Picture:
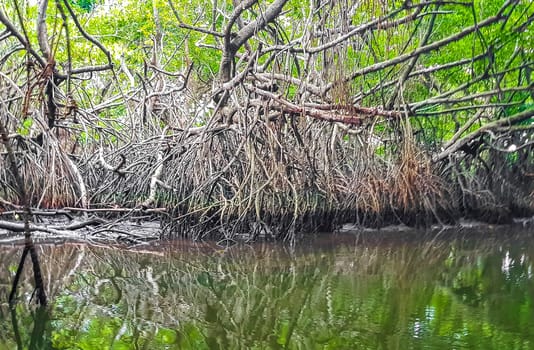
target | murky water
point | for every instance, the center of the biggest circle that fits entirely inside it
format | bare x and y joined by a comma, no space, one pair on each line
470,290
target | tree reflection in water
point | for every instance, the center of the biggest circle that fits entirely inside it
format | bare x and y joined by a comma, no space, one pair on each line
38,338
368,293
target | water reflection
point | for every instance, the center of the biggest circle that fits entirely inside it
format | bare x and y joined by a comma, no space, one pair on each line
38,338
474,291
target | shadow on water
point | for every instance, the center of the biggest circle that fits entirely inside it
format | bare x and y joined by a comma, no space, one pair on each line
387,290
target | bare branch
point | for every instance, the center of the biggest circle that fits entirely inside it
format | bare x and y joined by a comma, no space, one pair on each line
42,34
9,26
87,36
508,121
427,48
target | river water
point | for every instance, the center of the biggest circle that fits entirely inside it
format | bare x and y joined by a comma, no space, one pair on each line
470,289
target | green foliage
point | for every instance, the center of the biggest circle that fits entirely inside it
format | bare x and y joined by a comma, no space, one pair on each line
85,5
24,129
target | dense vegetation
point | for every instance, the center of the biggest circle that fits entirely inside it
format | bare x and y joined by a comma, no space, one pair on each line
269,117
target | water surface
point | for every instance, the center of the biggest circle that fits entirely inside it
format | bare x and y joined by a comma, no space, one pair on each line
376,290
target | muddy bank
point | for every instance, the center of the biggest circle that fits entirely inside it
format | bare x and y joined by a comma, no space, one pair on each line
152,233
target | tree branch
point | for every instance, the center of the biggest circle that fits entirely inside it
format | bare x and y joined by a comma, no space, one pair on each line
424,49
11,28
509,121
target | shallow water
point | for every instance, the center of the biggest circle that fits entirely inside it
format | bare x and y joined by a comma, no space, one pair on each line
377,290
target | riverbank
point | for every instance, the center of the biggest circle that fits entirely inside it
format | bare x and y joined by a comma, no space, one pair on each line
239,186
49,228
